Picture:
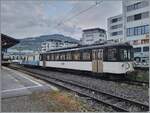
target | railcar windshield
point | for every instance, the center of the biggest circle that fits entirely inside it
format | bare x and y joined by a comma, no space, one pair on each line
118,53
126,54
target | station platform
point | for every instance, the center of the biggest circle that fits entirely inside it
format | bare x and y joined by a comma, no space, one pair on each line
15,83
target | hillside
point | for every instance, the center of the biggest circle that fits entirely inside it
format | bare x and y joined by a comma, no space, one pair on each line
33,43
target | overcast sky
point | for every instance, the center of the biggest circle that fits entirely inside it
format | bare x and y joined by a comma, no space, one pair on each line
29,18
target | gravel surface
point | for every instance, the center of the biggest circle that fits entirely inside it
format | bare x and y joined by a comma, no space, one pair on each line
52,102
134,92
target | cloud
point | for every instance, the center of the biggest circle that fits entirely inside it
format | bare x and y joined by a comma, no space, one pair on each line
98,15
33,18
24,17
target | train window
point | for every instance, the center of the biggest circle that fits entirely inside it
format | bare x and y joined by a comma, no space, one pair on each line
48,57
68,56
13,58
86,56
52,57
44,57
57,57
112,54
17,58
76,55
40,57
100,54
94,55
62,56
33,58
24,58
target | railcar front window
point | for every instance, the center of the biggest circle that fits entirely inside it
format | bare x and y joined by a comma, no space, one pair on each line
125,54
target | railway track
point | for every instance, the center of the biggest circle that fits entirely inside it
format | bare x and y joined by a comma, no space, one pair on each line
134,82
116,102
113,79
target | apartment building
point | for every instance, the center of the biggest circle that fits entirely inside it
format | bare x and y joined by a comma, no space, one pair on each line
115,28
135,27
136,16
93,35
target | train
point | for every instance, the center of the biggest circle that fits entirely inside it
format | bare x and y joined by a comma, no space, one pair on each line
5,60
100,59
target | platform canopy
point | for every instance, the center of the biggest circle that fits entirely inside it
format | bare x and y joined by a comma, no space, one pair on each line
7,41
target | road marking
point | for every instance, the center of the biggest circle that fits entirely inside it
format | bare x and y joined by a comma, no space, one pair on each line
18,73
52,87
29,79
23,88
23,75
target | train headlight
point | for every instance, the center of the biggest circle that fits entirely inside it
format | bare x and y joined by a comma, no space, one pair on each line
122,65
127,65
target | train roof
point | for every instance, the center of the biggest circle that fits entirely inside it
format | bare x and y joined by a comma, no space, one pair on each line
31,54
88,47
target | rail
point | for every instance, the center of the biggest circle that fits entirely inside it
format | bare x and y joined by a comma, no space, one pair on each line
116,102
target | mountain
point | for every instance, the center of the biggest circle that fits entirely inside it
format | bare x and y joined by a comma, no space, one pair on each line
34,43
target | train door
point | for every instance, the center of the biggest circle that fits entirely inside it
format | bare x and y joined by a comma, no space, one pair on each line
100,60
97,60
44,60
94,61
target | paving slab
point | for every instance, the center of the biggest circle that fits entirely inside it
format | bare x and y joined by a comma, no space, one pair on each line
16,83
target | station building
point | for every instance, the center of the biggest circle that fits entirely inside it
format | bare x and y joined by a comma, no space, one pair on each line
135,22
6,42
93,35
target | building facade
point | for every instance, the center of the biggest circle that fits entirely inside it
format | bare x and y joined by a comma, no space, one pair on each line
115,28
136,16
91,36
135,28
54,44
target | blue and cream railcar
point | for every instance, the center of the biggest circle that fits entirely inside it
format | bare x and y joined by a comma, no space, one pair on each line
31,59
109,58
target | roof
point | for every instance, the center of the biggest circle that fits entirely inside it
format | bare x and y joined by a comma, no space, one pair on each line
8,41
56,40
89,47
116,16
93,29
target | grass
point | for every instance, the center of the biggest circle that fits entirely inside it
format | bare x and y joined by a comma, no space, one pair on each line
140,75
57,101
